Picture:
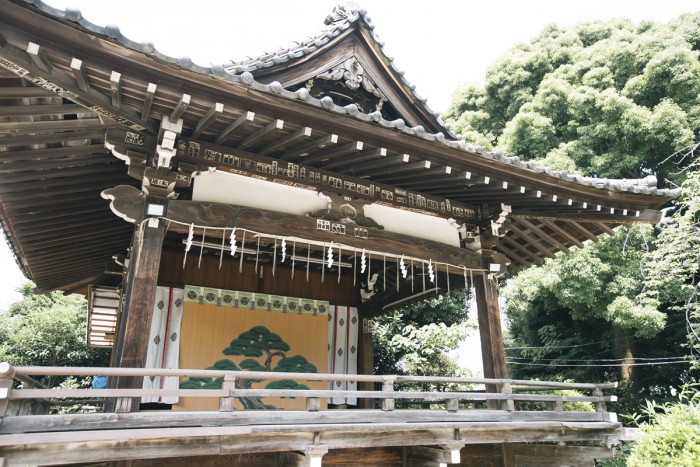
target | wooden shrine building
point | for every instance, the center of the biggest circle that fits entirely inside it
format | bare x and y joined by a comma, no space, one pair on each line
268,209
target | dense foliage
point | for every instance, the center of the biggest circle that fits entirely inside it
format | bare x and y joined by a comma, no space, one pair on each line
611,99
671,437
617,100
47,330
416,340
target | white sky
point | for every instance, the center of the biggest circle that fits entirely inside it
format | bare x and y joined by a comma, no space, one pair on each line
439,44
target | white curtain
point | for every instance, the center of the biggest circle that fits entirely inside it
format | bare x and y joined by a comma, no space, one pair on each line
343,325
164,341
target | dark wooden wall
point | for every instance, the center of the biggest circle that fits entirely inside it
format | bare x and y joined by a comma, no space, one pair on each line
172,274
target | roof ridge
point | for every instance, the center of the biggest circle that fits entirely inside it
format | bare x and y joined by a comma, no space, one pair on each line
247,79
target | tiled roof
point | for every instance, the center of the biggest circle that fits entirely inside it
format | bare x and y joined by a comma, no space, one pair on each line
341,19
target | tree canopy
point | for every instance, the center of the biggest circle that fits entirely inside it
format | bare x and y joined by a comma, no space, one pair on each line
616,100
610,99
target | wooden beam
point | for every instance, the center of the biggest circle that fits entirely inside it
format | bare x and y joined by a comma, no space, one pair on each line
541,233
229,130
80,75
522,249
353,159
333,152
148,101
56,125
39,57
180,108
587,233
33,154
261,133
604,227
303,150
301,133
379,163
57,82
22,92
36,110
8,141
512,255
115,89
553,226
493,353
419,166
532,241
460,177
211,116
138,306
435,173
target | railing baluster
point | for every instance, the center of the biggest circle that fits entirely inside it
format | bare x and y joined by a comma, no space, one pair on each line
313,404
388,386
600,406
452,405
229,383
507,403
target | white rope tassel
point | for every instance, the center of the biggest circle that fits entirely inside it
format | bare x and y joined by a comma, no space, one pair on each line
363,262
402,265
431,271
340,257
329,255
232,240
188,244
284,249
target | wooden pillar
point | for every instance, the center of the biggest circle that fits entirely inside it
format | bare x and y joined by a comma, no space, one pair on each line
365,363
492,350
138,308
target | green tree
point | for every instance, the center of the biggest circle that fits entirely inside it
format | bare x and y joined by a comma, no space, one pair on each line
258,342
48,330
610,98
416,339
671,437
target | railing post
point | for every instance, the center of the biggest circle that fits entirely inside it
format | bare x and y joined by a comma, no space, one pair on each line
600,406
229,383
388,386
507,404
7,376
313,404
452,405
555,406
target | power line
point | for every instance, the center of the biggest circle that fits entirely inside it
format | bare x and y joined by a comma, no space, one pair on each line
595,365
594,360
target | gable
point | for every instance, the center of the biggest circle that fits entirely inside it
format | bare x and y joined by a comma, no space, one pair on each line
347,64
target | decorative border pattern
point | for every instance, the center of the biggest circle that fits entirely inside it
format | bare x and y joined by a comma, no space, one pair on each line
255,301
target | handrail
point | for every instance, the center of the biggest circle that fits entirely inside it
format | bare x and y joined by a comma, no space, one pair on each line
109,371
504,399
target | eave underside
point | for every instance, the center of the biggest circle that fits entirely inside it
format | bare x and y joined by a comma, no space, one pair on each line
54,165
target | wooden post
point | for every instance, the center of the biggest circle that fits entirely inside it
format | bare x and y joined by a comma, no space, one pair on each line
7,375
138,309
388,386
507,404
452,405
226,403
313,404
600,406
493,353
365,364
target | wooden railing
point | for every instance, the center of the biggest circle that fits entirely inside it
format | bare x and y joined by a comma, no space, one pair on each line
509,392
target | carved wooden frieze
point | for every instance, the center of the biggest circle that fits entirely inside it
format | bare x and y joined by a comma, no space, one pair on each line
260,167
128,203
345,208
